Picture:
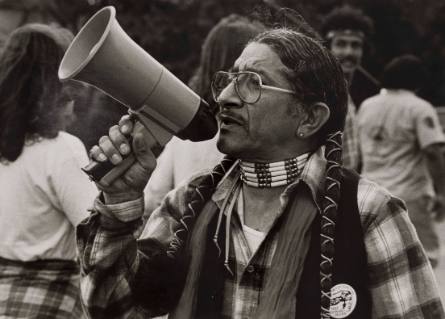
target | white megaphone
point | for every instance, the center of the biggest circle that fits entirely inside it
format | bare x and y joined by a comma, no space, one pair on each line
103,55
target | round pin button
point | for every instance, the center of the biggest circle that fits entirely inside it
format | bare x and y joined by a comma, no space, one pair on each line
343,301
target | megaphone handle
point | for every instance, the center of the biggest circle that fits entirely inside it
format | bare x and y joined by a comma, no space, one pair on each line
106,172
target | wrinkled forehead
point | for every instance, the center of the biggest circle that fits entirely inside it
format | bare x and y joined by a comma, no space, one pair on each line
259,57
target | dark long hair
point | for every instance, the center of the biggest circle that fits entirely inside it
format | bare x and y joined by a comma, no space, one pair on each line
317,76
30,91
222,46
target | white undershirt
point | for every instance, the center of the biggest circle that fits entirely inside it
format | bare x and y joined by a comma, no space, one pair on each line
254,237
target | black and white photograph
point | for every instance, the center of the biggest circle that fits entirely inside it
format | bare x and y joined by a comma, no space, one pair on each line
222,159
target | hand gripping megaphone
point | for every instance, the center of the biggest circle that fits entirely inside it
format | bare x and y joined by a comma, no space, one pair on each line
104,56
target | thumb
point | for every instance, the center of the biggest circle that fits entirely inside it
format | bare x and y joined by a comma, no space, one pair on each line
142,144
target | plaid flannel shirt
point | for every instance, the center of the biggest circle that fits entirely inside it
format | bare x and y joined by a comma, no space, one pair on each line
242,290
351,149
402,284
39,289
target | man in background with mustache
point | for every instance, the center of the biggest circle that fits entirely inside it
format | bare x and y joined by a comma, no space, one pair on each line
346,29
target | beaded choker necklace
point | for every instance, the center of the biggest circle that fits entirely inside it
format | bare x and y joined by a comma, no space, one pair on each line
267,175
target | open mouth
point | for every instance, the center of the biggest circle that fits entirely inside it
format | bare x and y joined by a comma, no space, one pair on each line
348,63
226,120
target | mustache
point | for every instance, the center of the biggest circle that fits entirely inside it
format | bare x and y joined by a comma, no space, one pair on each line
349,58
228,116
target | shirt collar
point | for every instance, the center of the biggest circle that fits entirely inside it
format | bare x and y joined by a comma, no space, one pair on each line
313,175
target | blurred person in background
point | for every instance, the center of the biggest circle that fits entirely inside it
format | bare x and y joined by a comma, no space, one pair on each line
43,192
401,140
182,159
346,30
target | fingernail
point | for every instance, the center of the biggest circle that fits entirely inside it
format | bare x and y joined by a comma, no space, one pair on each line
124,128
115,159
101,157
124,149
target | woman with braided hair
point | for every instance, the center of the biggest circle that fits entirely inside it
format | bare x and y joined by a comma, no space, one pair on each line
278,230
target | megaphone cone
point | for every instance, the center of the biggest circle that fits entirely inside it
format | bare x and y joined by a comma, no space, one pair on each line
104,56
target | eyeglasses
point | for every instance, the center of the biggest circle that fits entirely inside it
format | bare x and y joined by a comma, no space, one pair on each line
248,85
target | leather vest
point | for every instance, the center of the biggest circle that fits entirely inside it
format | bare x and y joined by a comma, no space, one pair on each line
160,293
350,264
350,260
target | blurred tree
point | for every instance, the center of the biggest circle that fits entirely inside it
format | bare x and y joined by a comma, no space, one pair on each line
172,31
434,55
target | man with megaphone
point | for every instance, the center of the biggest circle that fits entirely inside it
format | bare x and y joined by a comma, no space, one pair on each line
279,229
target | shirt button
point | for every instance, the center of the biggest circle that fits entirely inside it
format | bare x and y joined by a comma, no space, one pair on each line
250,269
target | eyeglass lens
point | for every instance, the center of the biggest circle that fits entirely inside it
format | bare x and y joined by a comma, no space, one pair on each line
247,85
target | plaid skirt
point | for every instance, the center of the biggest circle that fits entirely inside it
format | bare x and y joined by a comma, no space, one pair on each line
39,289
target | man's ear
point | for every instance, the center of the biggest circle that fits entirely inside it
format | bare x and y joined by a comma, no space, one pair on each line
313,119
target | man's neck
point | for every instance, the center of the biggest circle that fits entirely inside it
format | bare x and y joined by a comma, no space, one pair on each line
348,77
261,206
261,194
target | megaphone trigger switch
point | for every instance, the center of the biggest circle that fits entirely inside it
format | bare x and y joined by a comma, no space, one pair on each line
96,170
157,149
